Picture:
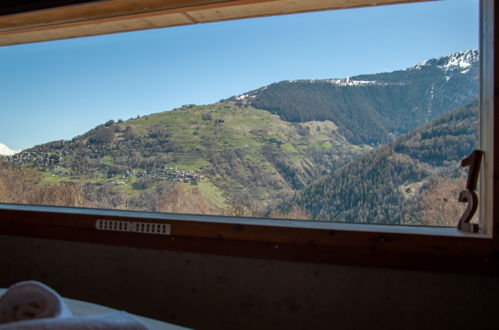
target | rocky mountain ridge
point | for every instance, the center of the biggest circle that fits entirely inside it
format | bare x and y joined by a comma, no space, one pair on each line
373,109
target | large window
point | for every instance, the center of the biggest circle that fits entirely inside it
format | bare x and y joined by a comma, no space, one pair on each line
345,116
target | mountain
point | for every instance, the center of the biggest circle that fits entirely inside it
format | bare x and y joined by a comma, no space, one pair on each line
224,154
262,152
6,151
399,183
372,109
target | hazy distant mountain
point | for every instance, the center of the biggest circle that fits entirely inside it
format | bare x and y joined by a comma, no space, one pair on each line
6,151
372,109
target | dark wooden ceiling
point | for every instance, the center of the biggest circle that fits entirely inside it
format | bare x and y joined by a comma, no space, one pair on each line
8,7
28,21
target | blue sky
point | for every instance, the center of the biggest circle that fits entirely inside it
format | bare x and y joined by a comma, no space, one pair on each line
60,89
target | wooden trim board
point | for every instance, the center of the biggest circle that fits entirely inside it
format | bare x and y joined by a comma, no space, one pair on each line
112,16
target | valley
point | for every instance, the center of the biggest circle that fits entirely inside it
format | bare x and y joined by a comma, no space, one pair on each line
360,149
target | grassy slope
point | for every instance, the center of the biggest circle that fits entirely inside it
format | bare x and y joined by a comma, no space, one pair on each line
244,129
243,153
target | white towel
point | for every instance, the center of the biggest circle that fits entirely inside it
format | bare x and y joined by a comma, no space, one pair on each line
31,300
110,321
32,305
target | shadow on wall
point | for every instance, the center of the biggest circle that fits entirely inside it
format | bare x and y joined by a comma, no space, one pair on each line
215,292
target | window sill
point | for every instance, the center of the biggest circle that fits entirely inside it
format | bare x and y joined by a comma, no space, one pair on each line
407,247
243,221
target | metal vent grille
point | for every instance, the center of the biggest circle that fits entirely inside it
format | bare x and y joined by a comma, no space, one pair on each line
134,227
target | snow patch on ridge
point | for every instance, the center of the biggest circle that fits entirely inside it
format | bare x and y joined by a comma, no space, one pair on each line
346,82
242,97
349,82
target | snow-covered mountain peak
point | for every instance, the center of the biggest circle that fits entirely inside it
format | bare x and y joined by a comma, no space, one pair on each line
461,61
6,151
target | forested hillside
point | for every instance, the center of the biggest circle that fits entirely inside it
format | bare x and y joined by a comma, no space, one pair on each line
402,182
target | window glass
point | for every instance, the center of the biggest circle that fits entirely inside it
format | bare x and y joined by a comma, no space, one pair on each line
358,115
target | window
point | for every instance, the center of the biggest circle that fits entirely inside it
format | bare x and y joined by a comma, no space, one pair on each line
273,144
378,141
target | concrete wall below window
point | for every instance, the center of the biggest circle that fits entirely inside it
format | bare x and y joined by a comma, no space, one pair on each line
215,292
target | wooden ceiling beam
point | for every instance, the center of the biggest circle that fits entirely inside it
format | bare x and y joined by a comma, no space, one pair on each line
112,16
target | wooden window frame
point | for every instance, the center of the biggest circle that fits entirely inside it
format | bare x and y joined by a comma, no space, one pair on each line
428,248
